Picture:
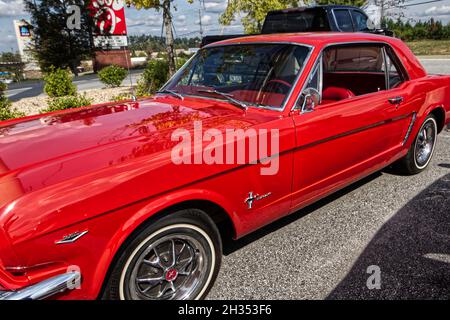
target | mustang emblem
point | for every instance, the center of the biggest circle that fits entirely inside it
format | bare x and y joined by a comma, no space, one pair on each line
254,197
71,237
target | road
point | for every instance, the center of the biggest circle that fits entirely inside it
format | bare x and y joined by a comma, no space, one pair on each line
399,224
30,89
436,64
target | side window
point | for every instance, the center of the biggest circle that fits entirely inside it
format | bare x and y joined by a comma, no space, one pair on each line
349,58
360,21
353,70
343,20
394,74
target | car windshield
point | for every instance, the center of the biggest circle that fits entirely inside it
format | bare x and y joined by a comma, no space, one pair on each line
308,20
254,74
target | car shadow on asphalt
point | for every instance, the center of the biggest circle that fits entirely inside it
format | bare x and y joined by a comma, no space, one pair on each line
231,246
411,250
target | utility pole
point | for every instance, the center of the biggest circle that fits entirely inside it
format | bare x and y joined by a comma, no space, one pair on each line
200,22
167,23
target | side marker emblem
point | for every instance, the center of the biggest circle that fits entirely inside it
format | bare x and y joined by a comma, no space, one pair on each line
70,238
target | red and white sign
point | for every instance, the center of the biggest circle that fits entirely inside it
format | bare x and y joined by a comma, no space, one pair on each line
109,17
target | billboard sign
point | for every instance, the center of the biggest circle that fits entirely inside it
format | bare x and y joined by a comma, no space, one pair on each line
110,42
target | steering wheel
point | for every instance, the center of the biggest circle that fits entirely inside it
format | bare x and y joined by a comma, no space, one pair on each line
278,86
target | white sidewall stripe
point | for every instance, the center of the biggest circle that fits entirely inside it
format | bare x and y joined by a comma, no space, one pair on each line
175,226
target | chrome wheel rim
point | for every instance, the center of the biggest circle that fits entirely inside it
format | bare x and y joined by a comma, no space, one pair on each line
425,141
173,267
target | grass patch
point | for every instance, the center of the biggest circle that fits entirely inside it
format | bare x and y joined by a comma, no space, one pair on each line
430,47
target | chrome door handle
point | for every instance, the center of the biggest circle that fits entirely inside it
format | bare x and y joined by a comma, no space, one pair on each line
395,100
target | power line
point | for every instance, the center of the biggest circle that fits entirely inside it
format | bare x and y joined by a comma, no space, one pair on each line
418,4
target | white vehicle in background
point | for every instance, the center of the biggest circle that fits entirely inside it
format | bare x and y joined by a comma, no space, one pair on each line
6,77
6,81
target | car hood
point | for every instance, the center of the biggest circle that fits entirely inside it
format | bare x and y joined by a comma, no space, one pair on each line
44,158
41,139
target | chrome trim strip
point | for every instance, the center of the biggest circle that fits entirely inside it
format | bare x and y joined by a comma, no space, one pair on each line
350,43
386,70
411,124
294,85
354,131
44,289
368,42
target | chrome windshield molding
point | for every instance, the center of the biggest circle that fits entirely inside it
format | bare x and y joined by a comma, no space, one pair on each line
294,85
180,71
44,289
319,66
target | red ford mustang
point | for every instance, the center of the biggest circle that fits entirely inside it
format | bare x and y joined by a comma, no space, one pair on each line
118,202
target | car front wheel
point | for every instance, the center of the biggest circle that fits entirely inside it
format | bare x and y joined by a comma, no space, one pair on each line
175,258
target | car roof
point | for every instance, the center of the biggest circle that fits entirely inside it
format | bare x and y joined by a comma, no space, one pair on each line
316,39
319,40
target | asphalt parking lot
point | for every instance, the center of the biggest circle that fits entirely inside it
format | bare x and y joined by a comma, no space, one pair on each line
400,224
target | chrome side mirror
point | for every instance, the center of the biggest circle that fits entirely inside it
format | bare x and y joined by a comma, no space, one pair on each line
311,99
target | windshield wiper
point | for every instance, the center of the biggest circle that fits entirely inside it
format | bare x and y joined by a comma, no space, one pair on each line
229,97
174,93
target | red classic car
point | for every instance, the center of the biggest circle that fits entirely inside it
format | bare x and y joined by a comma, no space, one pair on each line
117,202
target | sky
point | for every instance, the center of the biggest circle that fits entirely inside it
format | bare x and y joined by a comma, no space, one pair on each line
186,18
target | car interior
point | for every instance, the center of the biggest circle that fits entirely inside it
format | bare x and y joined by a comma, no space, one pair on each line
350,71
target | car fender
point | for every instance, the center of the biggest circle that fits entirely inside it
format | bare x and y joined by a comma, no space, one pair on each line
146,212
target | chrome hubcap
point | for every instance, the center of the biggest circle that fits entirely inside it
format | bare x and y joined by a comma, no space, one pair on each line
425,143
172,267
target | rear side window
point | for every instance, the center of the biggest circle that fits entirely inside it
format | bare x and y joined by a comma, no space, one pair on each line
360,21
343,20
359,69
296,21
394,72
359,59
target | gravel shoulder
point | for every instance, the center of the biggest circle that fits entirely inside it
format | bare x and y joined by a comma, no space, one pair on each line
34,105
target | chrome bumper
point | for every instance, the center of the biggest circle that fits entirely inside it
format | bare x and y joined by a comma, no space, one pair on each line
44,289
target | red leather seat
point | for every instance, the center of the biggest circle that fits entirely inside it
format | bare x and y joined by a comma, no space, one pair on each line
335,94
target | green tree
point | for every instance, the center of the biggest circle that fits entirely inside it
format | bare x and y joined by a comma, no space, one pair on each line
255,11
154,76
166,7
16,66
55,43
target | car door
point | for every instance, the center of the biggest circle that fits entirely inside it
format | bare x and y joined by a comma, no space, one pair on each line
340,141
